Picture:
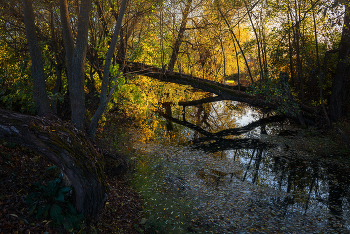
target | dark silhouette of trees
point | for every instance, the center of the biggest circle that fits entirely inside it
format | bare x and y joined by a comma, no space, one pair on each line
339,102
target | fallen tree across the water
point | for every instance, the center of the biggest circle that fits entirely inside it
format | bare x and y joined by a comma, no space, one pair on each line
226,92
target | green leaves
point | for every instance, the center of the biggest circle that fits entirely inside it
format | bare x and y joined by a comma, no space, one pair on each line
121,80
56,214
114,69
43,210
50,200
274,92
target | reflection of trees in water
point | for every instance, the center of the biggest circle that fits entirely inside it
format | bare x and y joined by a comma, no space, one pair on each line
335,198
212,115
309,185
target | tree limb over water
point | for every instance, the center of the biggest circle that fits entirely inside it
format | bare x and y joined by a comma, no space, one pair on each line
226,92
198,102
226,132
186,124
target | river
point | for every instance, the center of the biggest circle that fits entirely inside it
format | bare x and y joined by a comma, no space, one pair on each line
223,167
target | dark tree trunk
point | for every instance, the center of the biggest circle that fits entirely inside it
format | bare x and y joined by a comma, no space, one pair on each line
299,62
67,148
237,62
76,89
39,87
258,42
291,67
58,64
104,99
67,37
236,40
339,97
180,36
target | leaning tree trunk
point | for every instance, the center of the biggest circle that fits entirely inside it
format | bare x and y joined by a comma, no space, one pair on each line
66,147
105,81
339,102
180,36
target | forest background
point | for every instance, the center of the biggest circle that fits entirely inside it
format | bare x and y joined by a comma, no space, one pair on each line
67,59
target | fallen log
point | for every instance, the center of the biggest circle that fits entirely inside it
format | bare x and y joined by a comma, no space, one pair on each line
66,147
224,91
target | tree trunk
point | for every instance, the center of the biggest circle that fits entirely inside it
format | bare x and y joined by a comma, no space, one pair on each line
39,87
291,67
103,96
237,61
180,36
321,78
297,35
67,38
58,65
76,89
236,40
316,42
223,55
339,97
67,148
257,41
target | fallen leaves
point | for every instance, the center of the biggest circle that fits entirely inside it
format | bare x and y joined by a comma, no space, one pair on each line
20,168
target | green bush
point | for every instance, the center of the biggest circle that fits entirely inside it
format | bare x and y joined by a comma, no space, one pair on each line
272,88
50,201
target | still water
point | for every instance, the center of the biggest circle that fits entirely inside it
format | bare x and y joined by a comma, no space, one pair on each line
222,167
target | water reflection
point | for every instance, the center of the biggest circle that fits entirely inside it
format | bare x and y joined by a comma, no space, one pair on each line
312,186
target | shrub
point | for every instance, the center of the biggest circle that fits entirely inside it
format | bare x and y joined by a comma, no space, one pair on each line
50,201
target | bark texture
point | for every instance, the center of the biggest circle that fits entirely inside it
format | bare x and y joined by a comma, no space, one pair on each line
67,37
76,88
66,147
39,87
340,97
